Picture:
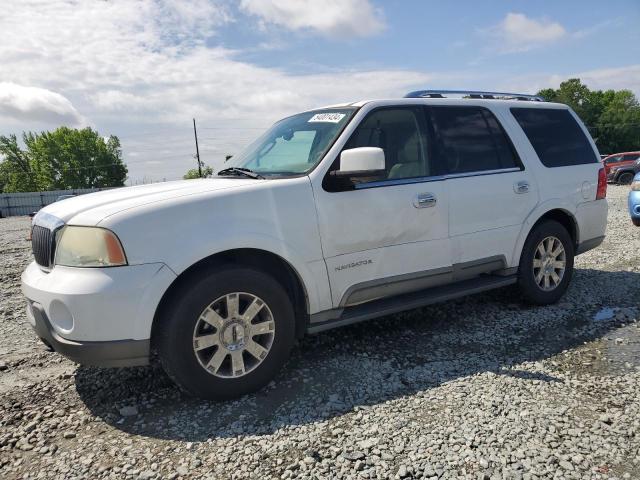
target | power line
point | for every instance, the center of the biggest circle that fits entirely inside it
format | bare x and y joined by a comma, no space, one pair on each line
151,133
161,157
88,167
233,128
227,141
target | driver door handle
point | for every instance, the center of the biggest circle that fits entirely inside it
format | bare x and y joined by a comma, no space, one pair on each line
425,200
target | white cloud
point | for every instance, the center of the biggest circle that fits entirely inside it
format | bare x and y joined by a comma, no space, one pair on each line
142,69
611,78
24,103
332,18
627,77
519,33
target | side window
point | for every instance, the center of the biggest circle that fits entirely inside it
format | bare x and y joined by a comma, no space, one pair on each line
470,139
400,133
631,157
555,136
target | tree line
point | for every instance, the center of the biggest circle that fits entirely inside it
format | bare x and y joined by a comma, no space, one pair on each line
68,158
612,116
63,159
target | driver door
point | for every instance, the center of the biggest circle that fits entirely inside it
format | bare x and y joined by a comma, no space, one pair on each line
386,236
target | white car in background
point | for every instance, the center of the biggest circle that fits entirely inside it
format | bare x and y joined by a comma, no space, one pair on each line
333,216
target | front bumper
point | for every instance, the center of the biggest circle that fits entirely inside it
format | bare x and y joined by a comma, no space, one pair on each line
116,353
96,316
634,203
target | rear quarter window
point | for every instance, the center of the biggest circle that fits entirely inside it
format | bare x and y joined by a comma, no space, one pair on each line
555,136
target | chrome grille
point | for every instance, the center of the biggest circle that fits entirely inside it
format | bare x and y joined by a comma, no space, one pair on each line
42,245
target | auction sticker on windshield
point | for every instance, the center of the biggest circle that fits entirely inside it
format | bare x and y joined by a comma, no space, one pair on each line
332,117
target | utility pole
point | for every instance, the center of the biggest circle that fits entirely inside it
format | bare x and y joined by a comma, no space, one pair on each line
195,134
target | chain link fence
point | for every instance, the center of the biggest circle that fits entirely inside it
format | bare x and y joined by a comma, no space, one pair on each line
24,203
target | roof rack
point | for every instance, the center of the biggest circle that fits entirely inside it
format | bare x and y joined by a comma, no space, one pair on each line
474,94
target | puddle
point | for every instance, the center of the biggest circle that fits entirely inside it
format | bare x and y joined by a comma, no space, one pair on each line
617,353
606,313
620,351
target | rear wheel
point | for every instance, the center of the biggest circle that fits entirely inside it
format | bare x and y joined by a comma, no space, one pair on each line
546,263
227,333
636,221
625,178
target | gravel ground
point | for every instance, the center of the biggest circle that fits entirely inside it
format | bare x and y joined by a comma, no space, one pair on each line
482,387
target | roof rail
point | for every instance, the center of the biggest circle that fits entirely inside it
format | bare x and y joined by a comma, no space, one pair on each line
474,94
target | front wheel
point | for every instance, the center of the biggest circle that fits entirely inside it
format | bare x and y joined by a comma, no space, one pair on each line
546,263
636,221
227,333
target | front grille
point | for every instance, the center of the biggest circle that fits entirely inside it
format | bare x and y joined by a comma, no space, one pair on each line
42,245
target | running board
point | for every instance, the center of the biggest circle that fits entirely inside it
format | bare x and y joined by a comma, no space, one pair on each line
407,301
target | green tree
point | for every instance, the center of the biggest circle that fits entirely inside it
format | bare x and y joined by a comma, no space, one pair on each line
63,159
16,173
612,117
207,171
618,127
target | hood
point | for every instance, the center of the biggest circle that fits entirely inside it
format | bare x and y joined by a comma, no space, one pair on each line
89,209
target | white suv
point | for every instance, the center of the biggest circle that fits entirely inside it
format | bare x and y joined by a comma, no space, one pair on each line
333,216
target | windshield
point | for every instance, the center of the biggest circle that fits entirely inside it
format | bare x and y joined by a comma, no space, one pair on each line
295,144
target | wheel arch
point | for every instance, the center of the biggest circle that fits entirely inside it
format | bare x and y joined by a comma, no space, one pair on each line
564,218
264,260
560,214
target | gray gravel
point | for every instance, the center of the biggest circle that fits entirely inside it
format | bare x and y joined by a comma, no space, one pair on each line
477,388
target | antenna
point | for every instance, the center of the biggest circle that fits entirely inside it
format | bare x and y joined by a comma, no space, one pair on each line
195,134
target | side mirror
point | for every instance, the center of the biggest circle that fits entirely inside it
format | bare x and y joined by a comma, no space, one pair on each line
361,162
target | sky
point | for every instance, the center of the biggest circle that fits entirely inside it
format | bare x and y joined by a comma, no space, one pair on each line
143,69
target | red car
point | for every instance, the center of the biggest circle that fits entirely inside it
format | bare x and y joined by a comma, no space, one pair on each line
619,160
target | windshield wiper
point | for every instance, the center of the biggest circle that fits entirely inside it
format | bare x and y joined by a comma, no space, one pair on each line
240,171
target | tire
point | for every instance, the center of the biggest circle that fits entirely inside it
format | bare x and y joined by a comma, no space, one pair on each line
625,178
533,284
636,221
201,315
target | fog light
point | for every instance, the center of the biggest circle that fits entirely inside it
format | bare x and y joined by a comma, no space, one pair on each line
60,316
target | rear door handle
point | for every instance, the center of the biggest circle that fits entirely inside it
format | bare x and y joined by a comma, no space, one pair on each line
425,200
521,187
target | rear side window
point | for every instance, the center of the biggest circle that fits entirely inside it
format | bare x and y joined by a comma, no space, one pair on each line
631,157
555,136
470,139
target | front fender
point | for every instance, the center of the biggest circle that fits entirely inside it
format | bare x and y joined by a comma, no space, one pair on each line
276,216
312,274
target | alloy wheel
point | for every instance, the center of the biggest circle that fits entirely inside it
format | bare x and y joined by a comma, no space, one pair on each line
233,335
549,263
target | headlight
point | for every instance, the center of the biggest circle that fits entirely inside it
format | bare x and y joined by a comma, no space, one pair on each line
89,247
